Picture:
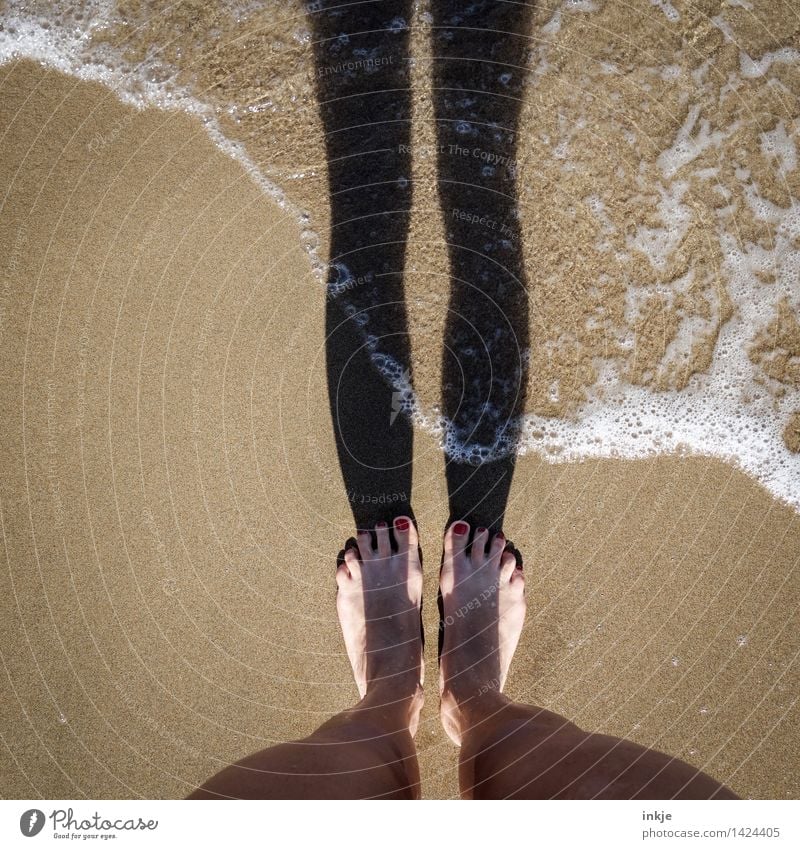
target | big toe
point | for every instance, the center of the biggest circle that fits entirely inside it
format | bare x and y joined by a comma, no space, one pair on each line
455,558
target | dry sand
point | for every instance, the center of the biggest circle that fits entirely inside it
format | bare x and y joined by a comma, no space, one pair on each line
171,506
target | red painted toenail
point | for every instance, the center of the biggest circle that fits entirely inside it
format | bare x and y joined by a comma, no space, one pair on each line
381,525
500,535
481,530
460,528
401,524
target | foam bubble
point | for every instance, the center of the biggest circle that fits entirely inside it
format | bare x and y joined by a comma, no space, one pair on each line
751,68
670,12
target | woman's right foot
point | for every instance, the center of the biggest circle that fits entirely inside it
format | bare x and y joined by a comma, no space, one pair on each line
483,611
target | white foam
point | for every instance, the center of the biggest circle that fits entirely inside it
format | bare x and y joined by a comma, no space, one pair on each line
752,68
670,12
579,6
689,144
724,27
553,26
780,144
658,243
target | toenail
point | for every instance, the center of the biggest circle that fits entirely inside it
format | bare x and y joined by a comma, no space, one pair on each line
460,528
381,525
500,535
481,530
401,524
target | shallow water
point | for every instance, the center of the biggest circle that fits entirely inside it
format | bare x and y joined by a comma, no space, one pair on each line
659,202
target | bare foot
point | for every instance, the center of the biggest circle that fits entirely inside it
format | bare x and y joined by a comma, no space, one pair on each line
379,599
483,611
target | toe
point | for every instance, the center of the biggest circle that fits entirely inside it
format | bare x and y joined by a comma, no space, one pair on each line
456,539
405,534
364,543
342,575
508,565
455,543
497,548
479,543
382,535
351,566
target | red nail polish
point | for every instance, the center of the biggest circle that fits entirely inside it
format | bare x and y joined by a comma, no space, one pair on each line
381,525
500,535
460,528
401,524
481,531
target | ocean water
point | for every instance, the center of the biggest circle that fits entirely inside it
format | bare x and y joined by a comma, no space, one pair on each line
659,192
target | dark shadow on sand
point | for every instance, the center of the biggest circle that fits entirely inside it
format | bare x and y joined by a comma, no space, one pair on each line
479,53
363,86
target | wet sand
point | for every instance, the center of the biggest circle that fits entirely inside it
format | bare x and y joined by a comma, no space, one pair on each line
171,506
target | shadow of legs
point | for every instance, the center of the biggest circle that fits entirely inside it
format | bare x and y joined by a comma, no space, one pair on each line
479,71
362,77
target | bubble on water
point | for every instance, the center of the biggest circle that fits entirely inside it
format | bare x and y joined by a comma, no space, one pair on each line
703,711
741,640
692,752
675,661
62,719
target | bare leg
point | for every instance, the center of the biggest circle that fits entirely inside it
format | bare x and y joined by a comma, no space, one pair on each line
510,750
367,751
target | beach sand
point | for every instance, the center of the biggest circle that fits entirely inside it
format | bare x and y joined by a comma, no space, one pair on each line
171,505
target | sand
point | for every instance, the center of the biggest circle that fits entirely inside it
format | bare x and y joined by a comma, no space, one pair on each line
170,503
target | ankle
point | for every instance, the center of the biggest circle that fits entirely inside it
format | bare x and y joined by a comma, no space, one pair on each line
473,695
462,713
386,683
393,704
